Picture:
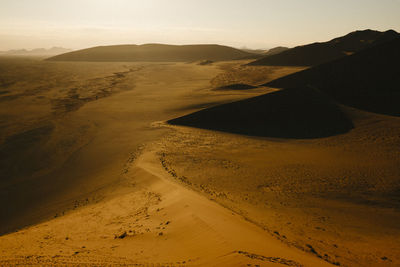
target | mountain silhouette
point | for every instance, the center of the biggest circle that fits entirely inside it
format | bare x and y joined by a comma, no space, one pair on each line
318,53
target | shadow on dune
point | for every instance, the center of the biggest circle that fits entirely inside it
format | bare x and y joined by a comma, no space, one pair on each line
236,86
306,108
298,113
368,80
20,154
318,53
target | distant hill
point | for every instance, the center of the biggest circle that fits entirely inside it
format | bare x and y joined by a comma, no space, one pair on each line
36,52
369,79
275,50
156,52
318,53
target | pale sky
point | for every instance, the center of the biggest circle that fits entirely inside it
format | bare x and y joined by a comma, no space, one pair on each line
240,23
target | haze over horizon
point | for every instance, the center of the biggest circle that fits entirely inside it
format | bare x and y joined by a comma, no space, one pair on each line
256,24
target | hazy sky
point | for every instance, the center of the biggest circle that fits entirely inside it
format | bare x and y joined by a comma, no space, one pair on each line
251,23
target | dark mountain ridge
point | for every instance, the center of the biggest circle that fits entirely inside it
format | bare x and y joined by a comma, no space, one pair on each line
318,53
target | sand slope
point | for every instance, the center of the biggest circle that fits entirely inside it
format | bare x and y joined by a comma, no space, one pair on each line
150,220
367,80
318,53
290,113
336,197
276,50
317,194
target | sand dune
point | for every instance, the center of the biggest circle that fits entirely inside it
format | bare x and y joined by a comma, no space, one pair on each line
275,50
291,113
156,53
91,174
109,199
151,220
62,120
318,53
335,197
367,80
330,185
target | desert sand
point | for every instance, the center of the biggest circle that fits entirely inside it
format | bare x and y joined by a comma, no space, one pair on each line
100,178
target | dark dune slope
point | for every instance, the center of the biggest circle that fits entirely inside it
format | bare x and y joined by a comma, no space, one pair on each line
156,52
368,80
235,86
276,50
318,53
290,113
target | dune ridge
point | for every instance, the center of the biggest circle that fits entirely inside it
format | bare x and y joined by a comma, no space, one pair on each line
318,192
276,50
156,53
168,225
368,80
318,53
292,113
306,107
